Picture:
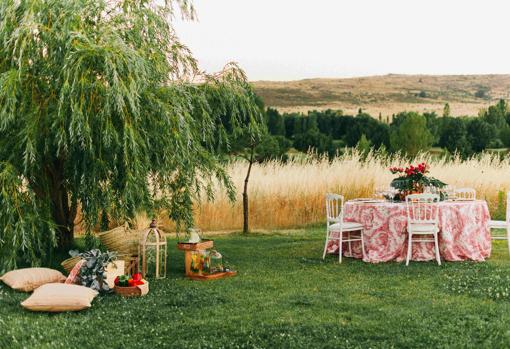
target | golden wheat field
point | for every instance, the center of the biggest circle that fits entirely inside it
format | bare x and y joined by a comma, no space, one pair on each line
289,195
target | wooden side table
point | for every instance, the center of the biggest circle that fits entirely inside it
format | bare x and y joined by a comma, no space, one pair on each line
189,248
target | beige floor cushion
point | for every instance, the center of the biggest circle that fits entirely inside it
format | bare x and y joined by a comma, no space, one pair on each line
60,297
29,279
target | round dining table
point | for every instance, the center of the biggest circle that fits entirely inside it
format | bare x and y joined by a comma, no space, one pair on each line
464,232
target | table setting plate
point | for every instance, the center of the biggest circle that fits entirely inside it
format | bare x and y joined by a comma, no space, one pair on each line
366,200
460,200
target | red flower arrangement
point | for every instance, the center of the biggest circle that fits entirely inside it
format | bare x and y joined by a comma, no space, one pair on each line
412,179
411,170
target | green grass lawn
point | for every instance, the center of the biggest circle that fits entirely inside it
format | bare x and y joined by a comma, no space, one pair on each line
285,296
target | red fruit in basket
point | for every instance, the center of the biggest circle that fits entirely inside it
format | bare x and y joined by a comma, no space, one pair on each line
116,281
139,282
137,277
131,282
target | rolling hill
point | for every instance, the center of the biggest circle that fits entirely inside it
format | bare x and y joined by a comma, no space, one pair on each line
387,94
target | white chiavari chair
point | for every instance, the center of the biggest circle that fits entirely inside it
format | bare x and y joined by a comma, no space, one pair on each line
465,194
422,221
336,224
503,224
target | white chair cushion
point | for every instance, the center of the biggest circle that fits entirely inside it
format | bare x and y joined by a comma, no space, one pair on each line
498,224
346,226
423,228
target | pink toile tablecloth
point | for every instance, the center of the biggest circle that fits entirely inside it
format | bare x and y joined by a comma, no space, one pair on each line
464,234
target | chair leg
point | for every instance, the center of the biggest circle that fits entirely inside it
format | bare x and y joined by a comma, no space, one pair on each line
326,244
340,247
508,237
362,245
350,248
436,243
409,247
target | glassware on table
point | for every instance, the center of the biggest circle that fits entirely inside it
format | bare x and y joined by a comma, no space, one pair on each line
431,190
449,192
390,194
380,191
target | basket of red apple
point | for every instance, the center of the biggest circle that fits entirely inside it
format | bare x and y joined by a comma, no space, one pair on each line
131,286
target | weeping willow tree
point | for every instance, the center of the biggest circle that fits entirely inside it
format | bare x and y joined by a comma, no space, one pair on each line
104,110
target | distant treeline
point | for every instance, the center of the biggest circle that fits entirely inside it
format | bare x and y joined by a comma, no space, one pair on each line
330,131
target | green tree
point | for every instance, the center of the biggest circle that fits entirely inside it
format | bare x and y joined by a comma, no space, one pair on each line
310,122
364,145
433,125
258,149
98,111
272,148
454,137
327,120
313,140
375,131
446,110
505,136
497,114
275,122
253,147
289,121
480,134
410,135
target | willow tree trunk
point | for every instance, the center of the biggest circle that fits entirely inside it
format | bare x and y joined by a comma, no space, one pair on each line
63,207
246,227
64,214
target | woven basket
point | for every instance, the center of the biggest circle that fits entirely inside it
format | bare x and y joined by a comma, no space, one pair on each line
128,291
122,240
69,263
132,291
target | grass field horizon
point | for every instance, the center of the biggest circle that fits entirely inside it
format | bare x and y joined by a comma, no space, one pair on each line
387,94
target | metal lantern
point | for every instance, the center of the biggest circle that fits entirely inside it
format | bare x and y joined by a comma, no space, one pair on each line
152,252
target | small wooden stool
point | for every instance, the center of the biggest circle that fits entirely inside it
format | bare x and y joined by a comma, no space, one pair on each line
189,248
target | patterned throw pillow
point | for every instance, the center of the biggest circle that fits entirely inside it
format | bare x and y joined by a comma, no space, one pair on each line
74,275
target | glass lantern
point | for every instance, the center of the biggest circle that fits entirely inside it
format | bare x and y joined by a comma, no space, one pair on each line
216,262
152,251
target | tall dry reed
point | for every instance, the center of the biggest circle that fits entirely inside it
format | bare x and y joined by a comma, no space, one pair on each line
287,195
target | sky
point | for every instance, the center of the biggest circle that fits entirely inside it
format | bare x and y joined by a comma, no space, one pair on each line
297,39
